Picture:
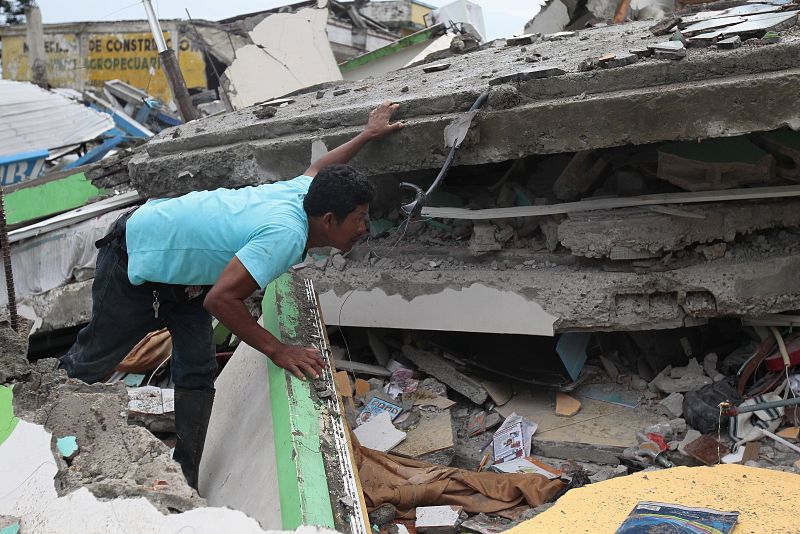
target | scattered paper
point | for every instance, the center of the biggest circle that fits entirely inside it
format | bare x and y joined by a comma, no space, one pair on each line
523,465
378,406
513,439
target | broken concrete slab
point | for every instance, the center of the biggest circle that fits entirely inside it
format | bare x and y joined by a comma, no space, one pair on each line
680,380
379,433
582,173
234,149
598,423
290,51
483,239
441,369
438,519
672,404
434,433
595,234
541,300
531,74
722,163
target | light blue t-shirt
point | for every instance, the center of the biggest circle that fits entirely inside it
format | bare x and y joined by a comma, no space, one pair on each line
190,239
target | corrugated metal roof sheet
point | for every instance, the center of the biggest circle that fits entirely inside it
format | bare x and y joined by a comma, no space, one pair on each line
32,118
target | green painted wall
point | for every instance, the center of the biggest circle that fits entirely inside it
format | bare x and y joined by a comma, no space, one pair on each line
7,420
49,198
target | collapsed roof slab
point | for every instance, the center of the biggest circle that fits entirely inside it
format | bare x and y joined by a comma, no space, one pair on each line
710,93
598,234
543,300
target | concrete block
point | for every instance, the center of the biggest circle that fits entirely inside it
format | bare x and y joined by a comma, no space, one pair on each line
438,519
665,26
673,404
532,74
483,238
441,369
730,42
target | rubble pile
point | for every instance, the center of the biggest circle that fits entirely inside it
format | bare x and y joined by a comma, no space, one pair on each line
93,443
415,396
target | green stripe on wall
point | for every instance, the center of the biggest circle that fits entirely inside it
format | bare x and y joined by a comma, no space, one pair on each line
302,480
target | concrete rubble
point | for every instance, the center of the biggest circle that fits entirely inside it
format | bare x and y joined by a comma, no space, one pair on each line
653,266
553,282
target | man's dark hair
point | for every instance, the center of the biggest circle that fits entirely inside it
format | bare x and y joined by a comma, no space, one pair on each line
338,189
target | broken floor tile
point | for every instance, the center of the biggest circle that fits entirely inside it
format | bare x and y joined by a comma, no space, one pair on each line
712,24
67,446
434,433
436,67
620,60
670,54
379,433
670,46
765,22
532,74
665,26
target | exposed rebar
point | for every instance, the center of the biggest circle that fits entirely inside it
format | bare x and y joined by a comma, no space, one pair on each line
5,245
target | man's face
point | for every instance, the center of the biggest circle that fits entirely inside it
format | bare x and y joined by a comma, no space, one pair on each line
346,233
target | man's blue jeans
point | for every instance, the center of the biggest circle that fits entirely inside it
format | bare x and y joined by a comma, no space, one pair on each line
122,314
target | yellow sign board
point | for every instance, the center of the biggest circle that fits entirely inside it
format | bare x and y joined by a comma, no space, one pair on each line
130,57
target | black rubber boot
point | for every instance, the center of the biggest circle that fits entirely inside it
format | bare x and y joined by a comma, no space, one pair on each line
192,412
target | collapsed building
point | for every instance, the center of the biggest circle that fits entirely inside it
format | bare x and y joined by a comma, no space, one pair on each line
499,254
625,193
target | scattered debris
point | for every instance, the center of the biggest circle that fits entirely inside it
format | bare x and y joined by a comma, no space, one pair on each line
379,434
567,406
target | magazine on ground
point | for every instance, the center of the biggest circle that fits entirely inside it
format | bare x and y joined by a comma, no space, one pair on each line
660,518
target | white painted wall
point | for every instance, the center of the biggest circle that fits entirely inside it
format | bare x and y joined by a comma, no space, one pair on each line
476,308
27,491
291,51
239,469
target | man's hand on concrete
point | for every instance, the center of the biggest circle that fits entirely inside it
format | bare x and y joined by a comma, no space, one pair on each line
300,361
379,123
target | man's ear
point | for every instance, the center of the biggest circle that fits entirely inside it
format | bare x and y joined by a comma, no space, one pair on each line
328,219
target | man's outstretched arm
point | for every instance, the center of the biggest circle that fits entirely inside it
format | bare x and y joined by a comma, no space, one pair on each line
225,301
378,125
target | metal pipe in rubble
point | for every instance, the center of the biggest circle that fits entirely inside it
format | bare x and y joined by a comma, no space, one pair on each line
414,208
6,246
172,71
736,410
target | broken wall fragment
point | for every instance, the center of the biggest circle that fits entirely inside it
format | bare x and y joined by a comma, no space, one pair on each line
290,51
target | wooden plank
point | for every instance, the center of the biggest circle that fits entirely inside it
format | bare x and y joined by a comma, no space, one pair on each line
753,193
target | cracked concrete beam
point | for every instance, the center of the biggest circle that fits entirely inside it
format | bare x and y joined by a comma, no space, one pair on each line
568,297
712,93
595,234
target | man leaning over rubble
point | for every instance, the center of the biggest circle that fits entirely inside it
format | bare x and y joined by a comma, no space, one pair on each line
175,262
